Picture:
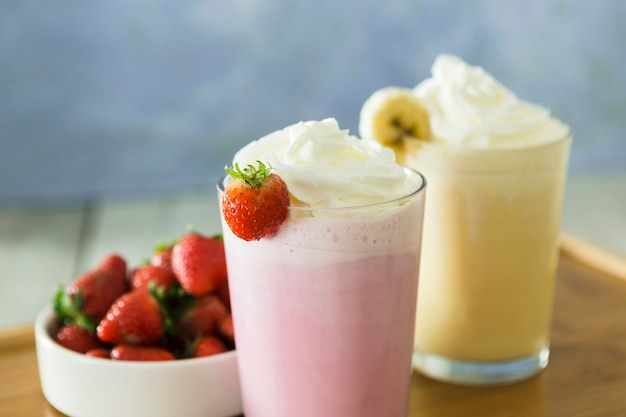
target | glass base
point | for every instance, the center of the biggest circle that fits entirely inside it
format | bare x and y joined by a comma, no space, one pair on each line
480,373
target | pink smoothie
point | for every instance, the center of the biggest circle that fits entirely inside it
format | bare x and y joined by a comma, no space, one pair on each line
324,315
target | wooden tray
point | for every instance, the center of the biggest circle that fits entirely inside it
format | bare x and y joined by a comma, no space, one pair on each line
586,375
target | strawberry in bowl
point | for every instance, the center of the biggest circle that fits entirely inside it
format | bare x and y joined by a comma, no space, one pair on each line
151,340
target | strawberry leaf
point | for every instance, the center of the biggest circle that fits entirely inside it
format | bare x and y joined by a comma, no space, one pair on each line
190,347
173,303
68,309
163,245
250,175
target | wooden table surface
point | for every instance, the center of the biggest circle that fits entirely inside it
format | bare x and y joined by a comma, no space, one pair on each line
586,375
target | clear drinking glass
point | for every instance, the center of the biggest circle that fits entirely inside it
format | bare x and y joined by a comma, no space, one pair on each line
490,253
324,311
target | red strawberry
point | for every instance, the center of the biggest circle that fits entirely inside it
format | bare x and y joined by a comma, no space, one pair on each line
162,256
202,317
143,275
99,353
76,338
135,318
140,353
199,263
223,292
207,346
89,297
98,290
226,329
255,203
115,265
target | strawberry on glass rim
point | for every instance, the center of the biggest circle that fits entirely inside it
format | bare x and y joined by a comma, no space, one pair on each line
255,203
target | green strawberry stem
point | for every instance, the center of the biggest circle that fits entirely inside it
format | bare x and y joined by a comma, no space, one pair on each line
69,310
161,295
173,303
250,175
190,347
164,245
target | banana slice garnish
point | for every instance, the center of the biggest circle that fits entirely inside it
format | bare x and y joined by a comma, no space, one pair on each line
394,117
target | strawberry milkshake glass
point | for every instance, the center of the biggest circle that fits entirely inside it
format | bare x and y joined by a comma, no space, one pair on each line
324,309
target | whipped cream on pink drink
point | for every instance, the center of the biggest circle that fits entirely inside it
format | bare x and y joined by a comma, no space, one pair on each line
325,166
324,311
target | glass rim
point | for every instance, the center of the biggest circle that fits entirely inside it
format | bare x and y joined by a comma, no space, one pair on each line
419,190
565,137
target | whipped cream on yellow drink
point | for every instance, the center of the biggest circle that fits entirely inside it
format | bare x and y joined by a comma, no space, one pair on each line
324,310
496,169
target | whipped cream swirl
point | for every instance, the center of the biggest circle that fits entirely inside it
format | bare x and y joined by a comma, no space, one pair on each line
467,106
324,166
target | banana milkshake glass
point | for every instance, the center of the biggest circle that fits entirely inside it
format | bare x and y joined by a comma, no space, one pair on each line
496,169
324,310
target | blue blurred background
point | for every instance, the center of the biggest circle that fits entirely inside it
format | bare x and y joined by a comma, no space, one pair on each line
131,98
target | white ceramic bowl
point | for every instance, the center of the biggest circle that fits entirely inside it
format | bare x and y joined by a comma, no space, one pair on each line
81,386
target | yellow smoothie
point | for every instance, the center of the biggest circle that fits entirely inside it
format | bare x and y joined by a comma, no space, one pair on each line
496,169
490,249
